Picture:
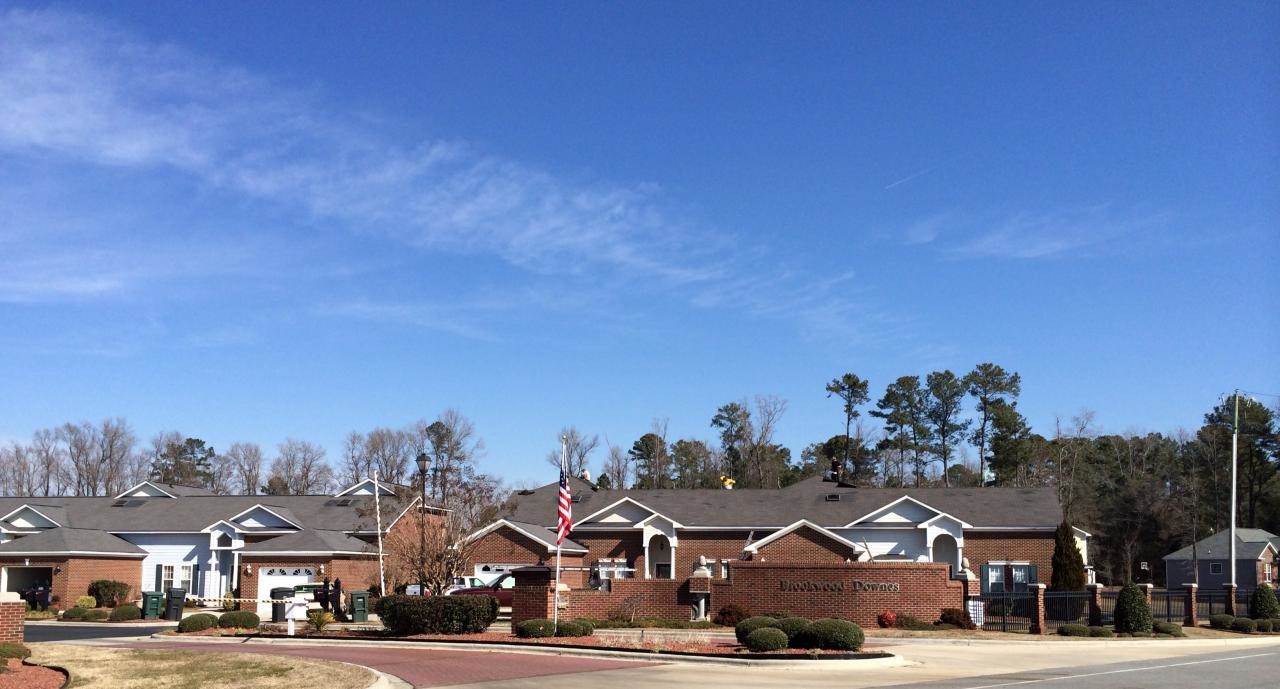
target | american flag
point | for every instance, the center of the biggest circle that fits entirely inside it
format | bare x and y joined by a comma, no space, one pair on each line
564,512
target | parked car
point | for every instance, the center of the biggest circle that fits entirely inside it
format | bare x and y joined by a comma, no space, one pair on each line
501,589
460,583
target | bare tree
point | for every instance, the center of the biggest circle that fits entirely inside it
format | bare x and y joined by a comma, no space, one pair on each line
115,441
763,460
580,447
387,451
78,444
355,463
49,462
246,465
617,466
19,476
300,465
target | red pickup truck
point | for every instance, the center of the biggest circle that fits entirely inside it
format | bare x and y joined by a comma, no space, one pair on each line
500,588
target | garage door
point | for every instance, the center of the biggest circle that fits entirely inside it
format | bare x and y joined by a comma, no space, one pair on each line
279,577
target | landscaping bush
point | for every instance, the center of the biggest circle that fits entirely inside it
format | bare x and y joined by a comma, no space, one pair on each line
791,626
835,635
767,639
911,622
1101,632
1170,628
778,614
1265,626
1263,604
197,623
535,629
574,628
10,650
1073,630
319,619
1220,621
1132,613
437,614
86,602
33,615
76,613
95,615
1244,625
239,619
731,615
751,624
958,617
109,593
124,613
886,619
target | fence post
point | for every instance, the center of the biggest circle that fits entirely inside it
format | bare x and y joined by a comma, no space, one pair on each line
1146,593
1095,605
1192,618
1037,625
1231,599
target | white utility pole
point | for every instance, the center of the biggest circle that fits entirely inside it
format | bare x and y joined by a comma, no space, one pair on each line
1235,443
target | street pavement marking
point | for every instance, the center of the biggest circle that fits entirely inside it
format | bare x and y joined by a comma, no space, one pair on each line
1116,672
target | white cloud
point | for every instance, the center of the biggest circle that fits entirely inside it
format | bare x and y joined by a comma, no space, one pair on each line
1025,235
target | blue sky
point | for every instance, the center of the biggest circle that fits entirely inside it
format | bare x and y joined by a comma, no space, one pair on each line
249,221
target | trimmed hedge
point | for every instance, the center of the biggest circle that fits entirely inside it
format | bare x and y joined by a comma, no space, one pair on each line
745,627
109,593
1100,632
535,629
95,615
574,628
1265,625
731,615
651,623
239,619
403,615
124,613
767,639
1132,612
1244,625
197,623
791,626
1170,628
1221,621
831,635
1073,630
1263,604
86,602
76,613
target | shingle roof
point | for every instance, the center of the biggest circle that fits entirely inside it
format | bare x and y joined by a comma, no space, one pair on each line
66,540
1249,545
545,535
774,508
310,541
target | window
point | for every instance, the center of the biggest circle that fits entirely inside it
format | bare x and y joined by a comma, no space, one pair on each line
183,580
995,578
1215,568
724,569
1266,571
1004,577
613,569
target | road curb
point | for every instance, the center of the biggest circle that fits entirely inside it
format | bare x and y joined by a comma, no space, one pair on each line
1095,643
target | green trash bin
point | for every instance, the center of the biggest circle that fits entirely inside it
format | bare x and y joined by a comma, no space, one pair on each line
359,606
152,605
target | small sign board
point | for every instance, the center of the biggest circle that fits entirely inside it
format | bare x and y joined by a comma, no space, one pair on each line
413,590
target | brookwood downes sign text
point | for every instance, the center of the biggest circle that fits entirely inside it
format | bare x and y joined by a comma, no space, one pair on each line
838,586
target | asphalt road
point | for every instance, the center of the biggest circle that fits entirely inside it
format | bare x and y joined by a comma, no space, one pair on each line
1239,669
77,632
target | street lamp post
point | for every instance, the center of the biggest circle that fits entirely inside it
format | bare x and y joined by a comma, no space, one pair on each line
422,461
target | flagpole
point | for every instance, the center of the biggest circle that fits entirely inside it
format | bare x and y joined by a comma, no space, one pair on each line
377,508
555,613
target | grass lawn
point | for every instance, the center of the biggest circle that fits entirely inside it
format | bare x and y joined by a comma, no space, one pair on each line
122,668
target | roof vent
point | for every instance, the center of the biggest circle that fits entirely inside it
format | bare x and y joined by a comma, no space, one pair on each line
120,503
577,498
345,502
526,491
832,497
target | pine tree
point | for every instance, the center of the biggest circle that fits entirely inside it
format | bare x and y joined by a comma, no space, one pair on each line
1068,564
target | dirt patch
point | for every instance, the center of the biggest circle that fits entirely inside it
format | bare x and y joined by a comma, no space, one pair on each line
118,668
19,676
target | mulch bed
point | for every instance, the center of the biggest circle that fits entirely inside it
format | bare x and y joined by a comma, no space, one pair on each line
21,676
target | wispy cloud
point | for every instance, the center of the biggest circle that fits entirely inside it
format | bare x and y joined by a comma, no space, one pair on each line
1025,235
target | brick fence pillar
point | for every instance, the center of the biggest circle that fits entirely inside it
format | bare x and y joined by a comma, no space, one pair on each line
1192,617
1146,593
1037,623
1095,604
1231,600
533,597
12,612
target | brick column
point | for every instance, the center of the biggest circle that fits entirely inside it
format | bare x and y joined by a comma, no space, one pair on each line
12,612
1095,604
1231,599
1037,624
534,594
1146,592
1192,618
700,591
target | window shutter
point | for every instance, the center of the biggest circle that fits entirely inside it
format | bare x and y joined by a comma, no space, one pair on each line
986,581
1033,576
195,580
159,578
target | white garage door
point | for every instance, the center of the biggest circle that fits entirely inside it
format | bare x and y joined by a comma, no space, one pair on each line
273,577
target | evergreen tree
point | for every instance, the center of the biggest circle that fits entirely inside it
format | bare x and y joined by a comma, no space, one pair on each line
944,397
188,463
1132,614
851,390
990,385
653,463
1068,564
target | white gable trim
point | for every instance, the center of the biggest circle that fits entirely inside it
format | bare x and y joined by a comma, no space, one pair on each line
6,517
902,499
144,483
645,522
1082,532
639,524
943,515
382,488
551,548
756,545
263,507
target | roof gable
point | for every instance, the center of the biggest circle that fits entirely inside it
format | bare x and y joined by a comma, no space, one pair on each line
539,534
29,517
905,511
265,517
366,487
624,512
801,524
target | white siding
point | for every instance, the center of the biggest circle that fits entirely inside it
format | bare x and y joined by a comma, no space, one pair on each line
176,549
907,543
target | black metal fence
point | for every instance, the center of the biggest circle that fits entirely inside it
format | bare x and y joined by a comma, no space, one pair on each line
1066,607
1169,606
1209,603
1008,612
1108,606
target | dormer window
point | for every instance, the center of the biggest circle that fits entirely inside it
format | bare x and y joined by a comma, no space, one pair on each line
224,541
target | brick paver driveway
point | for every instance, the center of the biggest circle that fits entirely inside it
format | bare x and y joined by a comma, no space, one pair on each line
424,667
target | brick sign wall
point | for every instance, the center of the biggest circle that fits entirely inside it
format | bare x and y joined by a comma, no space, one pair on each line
12,613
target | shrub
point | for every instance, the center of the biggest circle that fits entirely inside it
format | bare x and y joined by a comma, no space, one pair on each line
125,613
1263,604
751,624
911,622
1101,632
1170,628
319,619
95,615
574,628
109,593
1073,630
197,623
76,613
535,629
86,602
835,635
731,615
767,639
1244,625
1265,626
239,619
437,614
11,650
958,617
1220,621
779,614
1132,612
34,615
647,622
791,626
887,619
